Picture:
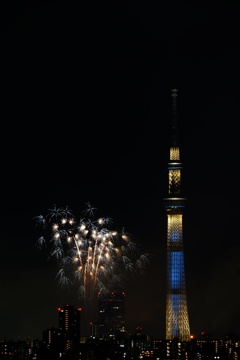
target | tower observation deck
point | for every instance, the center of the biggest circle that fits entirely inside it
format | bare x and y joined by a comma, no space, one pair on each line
177,321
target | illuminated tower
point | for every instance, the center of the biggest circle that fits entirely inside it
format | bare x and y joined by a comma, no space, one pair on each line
177,321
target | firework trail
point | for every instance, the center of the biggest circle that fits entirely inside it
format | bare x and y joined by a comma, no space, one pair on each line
88,253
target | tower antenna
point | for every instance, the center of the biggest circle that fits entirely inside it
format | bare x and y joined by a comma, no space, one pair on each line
174,117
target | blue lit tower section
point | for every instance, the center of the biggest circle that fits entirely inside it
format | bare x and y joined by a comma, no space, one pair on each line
177,321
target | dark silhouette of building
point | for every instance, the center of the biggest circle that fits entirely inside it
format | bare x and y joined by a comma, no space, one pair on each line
111,319
53,341
69,326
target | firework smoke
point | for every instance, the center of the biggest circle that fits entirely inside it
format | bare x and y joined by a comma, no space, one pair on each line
88,253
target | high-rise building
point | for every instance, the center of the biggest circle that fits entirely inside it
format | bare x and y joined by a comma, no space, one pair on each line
51,337
69,325
177,320
111,315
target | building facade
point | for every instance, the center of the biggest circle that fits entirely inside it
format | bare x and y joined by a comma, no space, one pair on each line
69,319
111,315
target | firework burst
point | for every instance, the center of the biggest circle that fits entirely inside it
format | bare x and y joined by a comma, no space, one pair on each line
88,253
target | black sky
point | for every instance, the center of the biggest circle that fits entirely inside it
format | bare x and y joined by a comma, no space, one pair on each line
85,117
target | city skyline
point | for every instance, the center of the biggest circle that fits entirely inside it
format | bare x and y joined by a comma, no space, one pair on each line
86,112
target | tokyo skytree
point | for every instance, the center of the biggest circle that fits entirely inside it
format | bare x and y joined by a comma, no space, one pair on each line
177,320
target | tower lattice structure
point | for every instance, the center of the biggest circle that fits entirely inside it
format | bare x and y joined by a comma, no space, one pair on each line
177,320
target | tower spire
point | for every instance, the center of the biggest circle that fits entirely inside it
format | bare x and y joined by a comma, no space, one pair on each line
174,117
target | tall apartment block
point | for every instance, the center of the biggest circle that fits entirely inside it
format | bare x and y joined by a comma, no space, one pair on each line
111,320
69,319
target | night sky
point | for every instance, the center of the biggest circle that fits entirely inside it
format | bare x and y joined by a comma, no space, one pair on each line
85,117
